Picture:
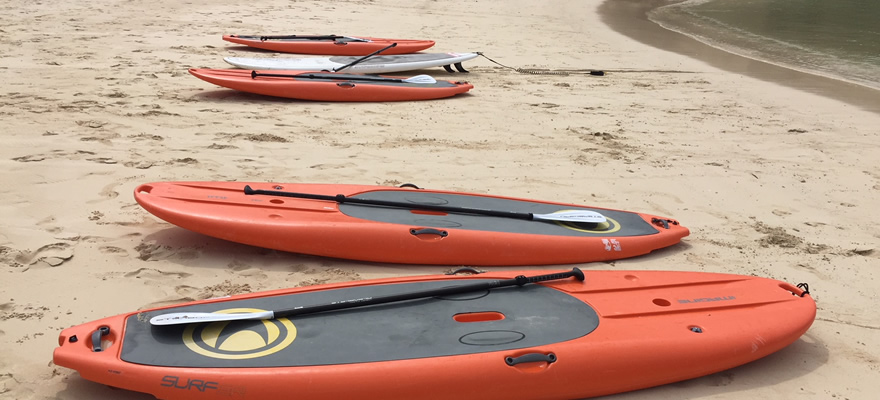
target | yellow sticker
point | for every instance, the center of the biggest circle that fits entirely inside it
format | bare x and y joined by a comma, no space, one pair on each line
609,226
239,341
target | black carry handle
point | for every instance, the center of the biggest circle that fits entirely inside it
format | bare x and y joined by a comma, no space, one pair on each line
549,358
422,231
96,338
444,291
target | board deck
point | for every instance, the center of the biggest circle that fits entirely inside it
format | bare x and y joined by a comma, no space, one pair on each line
562,339
403,235
372,65
330,86
329,44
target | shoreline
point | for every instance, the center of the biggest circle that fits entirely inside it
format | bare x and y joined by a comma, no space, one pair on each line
630,18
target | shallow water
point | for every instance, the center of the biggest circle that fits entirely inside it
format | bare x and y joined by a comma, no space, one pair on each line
838,39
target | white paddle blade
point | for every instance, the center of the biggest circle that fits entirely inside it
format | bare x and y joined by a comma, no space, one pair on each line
591,217
199,317
427,79
356,39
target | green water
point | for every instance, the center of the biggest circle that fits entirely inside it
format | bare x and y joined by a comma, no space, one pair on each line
835,38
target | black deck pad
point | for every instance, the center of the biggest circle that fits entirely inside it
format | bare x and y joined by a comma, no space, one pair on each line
364,80
534,315
392,59
620,223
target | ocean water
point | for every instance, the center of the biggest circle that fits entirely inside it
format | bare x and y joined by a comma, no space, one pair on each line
835,38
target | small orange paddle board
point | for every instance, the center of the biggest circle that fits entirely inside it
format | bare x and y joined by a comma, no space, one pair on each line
420,229
329,86
329,44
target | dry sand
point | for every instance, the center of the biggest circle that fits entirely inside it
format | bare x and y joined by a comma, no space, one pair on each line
771,180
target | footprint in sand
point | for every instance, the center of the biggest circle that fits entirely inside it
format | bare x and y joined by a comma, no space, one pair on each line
108,191
327,275
50,255
188,292
113,250
152,273
48,224
8,384
246,270
8,257
238,266
331,166
153,251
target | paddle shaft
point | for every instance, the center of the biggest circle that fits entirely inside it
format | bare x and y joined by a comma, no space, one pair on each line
444,291
255,74
364,57
339,198
306,37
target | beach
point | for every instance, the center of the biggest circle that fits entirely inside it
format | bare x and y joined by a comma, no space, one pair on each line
772,178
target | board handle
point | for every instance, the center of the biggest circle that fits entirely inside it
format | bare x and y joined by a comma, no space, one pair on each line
428,231
548,358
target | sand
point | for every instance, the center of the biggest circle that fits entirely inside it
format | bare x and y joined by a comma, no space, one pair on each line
772,180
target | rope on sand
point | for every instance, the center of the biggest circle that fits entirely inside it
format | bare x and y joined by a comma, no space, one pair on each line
564,72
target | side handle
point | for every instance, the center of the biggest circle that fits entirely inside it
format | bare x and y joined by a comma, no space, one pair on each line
548,358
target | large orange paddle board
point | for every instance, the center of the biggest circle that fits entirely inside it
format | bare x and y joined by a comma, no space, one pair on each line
615,331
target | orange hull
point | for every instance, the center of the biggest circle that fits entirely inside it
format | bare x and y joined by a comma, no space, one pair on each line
622,331
331,47
342,89
412,236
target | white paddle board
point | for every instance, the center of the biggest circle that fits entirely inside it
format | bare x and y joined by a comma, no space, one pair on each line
372,65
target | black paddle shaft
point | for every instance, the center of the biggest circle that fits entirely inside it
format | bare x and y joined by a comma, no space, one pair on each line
306,37
339,198
364,57
329,75
444,291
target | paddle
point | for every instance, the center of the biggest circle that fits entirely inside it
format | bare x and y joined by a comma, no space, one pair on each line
197,317
364,58
424,79
567,216
313,37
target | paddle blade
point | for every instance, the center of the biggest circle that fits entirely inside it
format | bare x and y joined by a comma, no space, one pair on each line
199,317
426,79
591,217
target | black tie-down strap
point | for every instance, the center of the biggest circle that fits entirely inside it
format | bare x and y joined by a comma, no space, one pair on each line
663,222
805,287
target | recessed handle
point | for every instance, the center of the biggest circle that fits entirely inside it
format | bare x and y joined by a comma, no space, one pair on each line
548,358
428,231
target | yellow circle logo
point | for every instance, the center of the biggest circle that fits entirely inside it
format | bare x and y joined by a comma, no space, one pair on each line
609,226
239,340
